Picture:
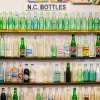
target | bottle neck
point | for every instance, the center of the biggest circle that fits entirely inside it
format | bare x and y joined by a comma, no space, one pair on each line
22,41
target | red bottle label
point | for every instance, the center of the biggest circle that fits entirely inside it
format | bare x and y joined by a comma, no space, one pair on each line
73,50
98,50
20,75
22,52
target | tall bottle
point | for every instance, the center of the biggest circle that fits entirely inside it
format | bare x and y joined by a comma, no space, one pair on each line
41,21
54,23
9,95
22,48
50,95
92,94
57,74
86,94
97,73
96,22
26,74
35,21
38,95
74,96
72,21
4,20
60,22
15,95
10,21
90,21
1,73
2,46
73,47
7,73
21,94
66,22
78,22
84,22
68,73
80,94
53,49
3,95
44,94
98,46
16,21
86,47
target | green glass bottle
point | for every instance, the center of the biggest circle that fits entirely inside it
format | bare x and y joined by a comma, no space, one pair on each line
1,22
90,21
41,22
4,21
73,47
22,48
60,22
16,21
15,95
84,22
38,95
10,21
66,22
78,22
98,46
53,49
96,22
72,22
74,96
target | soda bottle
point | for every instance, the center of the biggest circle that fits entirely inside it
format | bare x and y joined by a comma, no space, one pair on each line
60,21
68,73
26,74
20,74
62,97
78,22
22,21
54,23
97,73
92,94
96,22
84,22
16,21
73,47
7,73
21,94
41,21
22,48
15,95
98,46
35,22
72,22
3,95
86,94
9,95
62,72
53,49
90,21
2,46
97,94
50,95
38,95
66,22
4,20
1,22
28,21
14,73
47,22
10,21
74,96
56,95
86,47
44,94
1,73
80,94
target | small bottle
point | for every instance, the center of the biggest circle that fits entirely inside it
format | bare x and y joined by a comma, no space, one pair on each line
38,95
9,95
21,94
74,96
15,95
90,21
68,73
26,74
3,95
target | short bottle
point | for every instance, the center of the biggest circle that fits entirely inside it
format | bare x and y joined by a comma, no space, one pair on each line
98,46
15,95
3,95
90,21
44,94
38,95
1,73
9,95
21,94
74,96
86,94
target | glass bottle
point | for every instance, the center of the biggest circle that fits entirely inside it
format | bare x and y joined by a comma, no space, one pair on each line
97,93
73,47
16,21
68,73
22,48
4,20
74,96
90,21
50,95
98,46
41,21
66,22
56,95
72,21
1,22
86,94
60,21
15,95
62,97
80,94
92,94
1,73
9,95
3,95
21,94
44,94
38,95
97,73
62,72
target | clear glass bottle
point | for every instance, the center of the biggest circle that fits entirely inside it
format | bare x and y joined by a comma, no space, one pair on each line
21,94
80,93
97,72
56,95
50,95
44,94
86,94
92,94
9,95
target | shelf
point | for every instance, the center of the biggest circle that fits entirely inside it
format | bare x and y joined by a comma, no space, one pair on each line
47,31
36,58
84,3
52,84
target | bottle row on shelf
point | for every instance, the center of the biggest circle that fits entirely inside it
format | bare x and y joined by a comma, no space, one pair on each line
49,73
50,46
46,21
79,93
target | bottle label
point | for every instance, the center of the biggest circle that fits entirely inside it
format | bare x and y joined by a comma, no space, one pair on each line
28,51
85,51
50,98
8,75
73,50
26,77
98,50
14,75
86,98
67,50
60,52
20,76
22,52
